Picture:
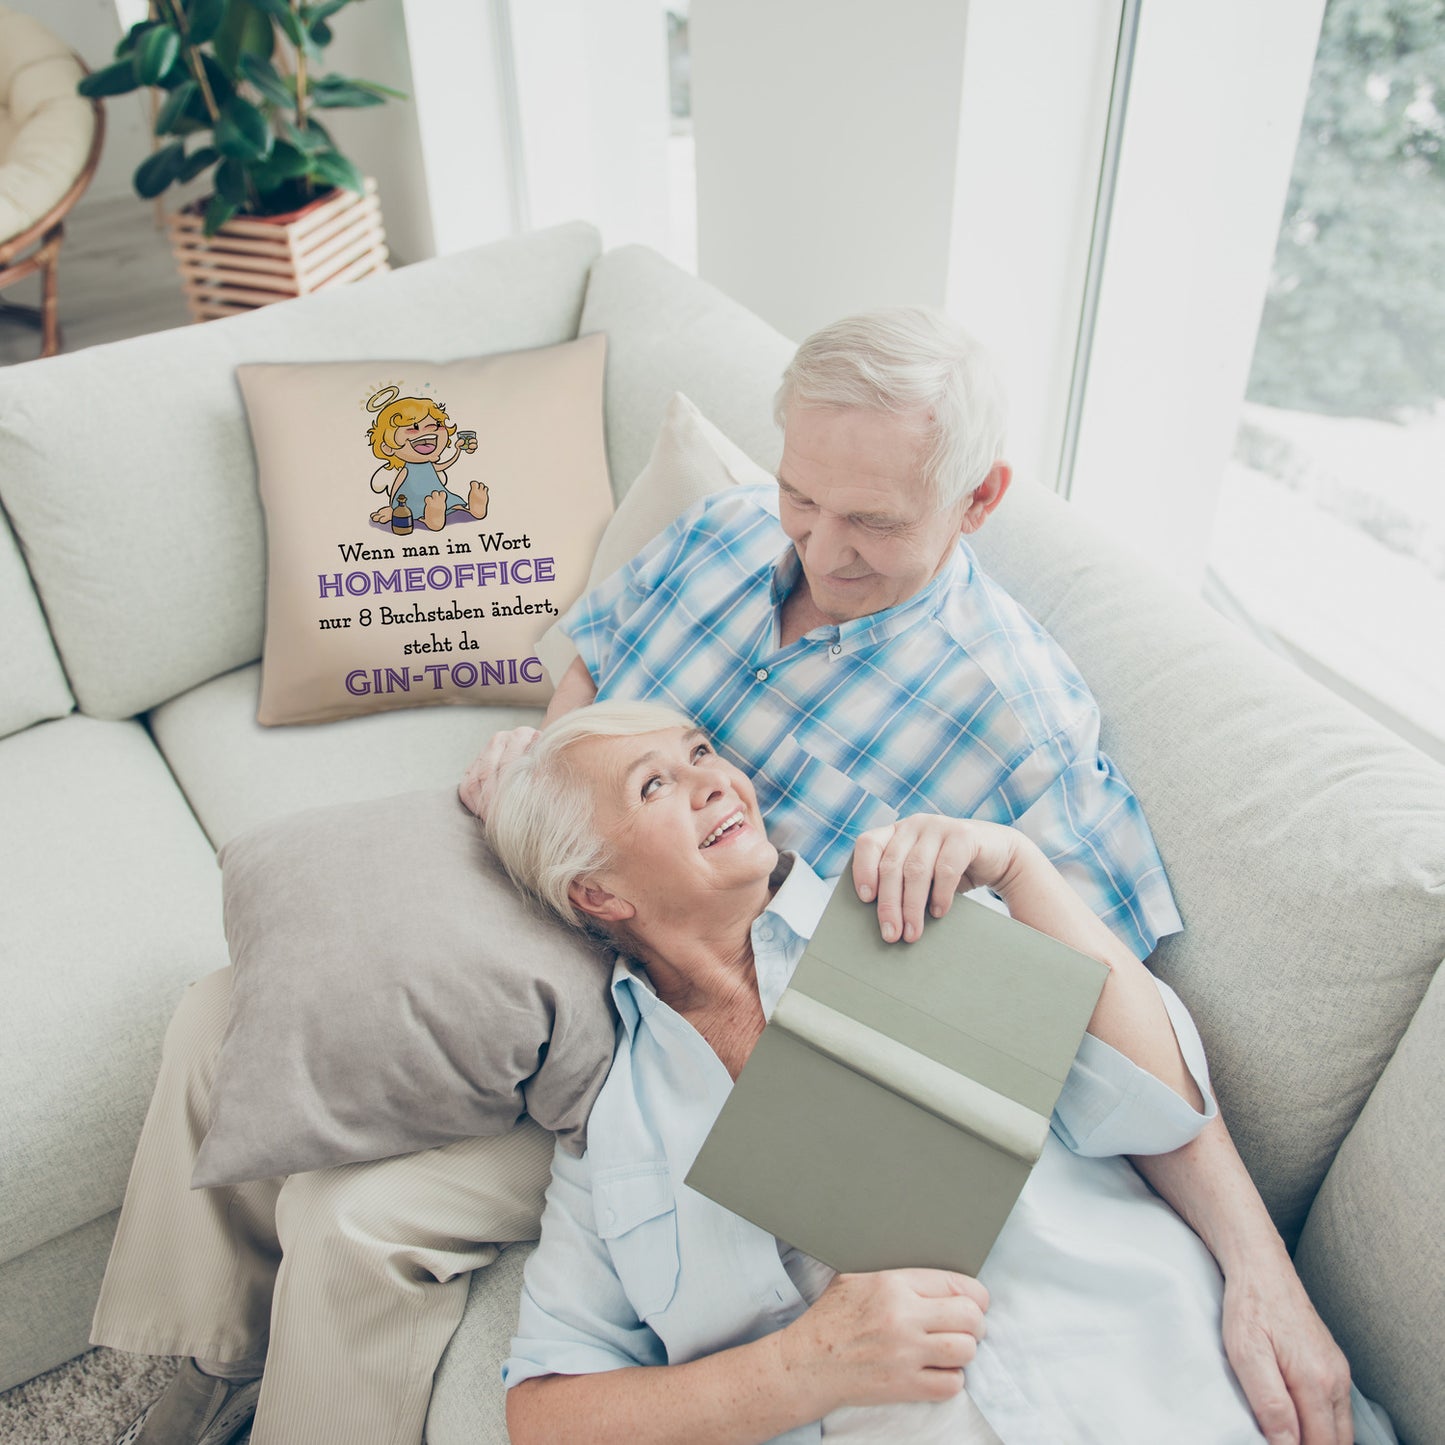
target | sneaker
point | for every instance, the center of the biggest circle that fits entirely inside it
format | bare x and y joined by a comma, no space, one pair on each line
195,1409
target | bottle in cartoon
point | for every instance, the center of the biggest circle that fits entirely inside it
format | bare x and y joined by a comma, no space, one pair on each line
417,445
401,516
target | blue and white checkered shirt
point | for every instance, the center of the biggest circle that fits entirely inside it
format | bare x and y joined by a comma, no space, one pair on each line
955,702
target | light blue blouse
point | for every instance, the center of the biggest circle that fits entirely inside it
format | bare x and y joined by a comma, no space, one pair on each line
1105,1316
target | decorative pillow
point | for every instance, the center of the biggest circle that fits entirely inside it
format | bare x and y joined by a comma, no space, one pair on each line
393,992
488,491
691,459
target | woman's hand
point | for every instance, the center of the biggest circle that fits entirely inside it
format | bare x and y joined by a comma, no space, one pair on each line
918,864
479,780
897,1335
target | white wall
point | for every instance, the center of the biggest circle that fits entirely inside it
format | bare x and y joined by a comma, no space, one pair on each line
593,115
827,146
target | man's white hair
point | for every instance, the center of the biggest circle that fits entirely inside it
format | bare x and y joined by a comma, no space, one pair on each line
908,361
542,820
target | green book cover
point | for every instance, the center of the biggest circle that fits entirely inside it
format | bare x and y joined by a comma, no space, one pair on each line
900,1094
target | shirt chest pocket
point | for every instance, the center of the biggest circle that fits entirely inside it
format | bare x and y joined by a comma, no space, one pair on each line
637,1218
817,809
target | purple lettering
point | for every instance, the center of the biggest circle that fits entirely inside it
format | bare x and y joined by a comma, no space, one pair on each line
355,688
532,670
546,570
330,586
471,674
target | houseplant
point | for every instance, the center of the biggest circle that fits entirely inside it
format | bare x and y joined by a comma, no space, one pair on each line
239,84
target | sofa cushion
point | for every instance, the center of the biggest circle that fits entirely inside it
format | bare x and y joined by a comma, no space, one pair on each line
393,993
1372,1254
669,332
1302,841
129,476
236,773
110,906
504,461
32,683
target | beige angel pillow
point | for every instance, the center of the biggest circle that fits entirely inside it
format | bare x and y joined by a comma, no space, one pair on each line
425,524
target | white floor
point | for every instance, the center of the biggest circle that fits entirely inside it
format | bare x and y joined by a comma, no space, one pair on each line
116,279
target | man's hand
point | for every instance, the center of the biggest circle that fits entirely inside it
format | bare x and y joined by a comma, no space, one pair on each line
479,781
1295,1377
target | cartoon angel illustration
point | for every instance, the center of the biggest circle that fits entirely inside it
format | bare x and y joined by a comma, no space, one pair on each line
413,437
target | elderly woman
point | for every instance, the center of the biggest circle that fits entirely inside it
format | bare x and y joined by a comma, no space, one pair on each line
653,1314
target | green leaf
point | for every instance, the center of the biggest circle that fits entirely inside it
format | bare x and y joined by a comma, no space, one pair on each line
333,168
203,19
197,161
278,89
174,110
319,33
231,182
157,171
242,131
287,163
285,17
244,31
377,88
117,79
156,53
131,38
222,85
332,92
313,140
324,11
218,213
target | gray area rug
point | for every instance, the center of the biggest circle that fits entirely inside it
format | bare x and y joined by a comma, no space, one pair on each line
86,1402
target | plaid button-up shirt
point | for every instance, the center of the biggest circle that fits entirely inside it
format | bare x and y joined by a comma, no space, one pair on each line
955,702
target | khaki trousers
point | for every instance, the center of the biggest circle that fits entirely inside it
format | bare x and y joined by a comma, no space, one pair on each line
350,1281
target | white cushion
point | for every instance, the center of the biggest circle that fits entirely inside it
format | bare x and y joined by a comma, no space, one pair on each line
690,460
236,773
162,587
110,905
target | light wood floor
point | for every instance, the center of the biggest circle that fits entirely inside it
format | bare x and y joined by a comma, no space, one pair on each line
117,279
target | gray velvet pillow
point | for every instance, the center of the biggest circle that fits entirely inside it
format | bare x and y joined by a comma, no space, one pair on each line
392,992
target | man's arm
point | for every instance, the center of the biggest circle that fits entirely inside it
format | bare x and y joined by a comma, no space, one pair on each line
1295,1377
475,789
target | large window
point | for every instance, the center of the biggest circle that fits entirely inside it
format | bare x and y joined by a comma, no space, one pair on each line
1330,529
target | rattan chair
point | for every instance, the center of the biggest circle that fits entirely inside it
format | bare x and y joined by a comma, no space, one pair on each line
50,139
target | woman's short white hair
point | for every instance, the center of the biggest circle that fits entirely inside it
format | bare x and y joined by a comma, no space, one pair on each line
542,819
908,360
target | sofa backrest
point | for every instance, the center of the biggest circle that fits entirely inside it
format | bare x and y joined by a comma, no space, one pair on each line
32,682
128,474
1302,840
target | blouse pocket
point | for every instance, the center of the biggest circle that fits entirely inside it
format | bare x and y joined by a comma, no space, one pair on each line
637,1217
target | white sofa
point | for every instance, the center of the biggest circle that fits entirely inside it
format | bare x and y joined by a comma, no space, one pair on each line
1305,845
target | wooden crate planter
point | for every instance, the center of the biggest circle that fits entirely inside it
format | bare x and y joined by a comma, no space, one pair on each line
255,260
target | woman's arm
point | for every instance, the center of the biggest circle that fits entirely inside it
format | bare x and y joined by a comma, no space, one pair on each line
917,865
870,1339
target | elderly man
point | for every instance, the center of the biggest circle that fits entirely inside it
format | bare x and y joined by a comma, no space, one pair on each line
838,640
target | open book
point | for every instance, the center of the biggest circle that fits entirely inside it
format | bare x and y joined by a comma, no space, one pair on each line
892,1109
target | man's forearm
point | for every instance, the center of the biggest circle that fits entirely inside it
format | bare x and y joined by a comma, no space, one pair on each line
575,690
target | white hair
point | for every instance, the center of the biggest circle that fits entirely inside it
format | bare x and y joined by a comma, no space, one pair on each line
908,360
542,820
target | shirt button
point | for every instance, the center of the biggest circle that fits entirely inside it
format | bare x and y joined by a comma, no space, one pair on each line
761,674
836,648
